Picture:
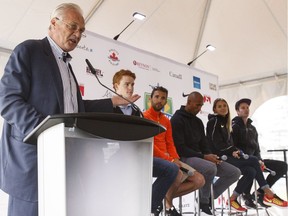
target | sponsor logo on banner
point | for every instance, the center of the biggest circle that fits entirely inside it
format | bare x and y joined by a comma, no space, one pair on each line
212,86
185,95
145,66
196,82
207,99
107,94
141,65
167,109
85,48
178,76
113,57
81,88
99,73
155,69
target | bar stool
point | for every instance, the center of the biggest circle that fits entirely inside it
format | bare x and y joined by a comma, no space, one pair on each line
285,159
256,201
196,204
225,209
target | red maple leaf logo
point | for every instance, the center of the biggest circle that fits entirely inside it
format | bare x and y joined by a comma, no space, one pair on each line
207,98
113,56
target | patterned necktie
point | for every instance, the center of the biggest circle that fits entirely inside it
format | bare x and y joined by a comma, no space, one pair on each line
65,56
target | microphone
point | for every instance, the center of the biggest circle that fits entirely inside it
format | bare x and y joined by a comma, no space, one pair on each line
188,172
93,71
224,157
243,155
272,172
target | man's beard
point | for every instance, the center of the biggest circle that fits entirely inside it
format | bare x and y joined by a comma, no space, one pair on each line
158,107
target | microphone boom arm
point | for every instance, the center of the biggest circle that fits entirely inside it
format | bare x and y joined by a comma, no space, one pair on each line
117,36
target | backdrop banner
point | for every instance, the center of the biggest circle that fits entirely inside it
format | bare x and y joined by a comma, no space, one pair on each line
109,56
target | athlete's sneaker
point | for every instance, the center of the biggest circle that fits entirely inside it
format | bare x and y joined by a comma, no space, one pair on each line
249,201
172,212
235,205
260,197
205,209
157,211
275,201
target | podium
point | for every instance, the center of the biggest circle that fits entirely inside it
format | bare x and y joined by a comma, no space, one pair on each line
94,164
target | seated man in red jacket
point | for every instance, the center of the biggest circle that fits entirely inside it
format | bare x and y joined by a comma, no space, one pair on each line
164,148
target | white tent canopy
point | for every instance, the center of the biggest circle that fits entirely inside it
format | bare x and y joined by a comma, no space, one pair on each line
250,36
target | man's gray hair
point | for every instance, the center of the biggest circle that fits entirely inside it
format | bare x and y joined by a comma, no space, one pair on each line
62,8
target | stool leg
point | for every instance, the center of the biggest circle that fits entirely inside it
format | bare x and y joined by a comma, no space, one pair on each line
229,204
256,198
164,207
180,204
198,195
222,204
212,200
286,178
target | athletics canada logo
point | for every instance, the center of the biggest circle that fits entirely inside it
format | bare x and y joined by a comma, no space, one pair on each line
113,57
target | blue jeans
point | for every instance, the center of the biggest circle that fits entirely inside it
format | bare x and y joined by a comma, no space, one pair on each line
226,172
17,207
166,173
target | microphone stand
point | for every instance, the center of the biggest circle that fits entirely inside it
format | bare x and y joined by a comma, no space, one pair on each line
189,63
117,36
208,47
93,71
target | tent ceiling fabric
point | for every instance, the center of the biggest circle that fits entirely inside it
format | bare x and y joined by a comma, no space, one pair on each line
250,35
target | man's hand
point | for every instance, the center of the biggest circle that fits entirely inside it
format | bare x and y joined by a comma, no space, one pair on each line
177,162
262,165
118,101
236,154
213,158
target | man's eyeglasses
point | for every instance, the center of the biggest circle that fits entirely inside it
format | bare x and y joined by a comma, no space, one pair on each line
73,27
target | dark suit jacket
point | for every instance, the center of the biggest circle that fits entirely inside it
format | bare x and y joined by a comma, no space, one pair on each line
117,109
30,89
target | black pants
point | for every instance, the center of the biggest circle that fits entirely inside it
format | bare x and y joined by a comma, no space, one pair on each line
280,167
250,169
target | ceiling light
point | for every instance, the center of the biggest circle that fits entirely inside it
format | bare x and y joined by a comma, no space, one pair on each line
139,16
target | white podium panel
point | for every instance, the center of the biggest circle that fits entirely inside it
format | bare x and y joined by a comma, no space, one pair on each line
80,174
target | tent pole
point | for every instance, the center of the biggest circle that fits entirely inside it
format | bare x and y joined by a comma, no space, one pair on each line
202,28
